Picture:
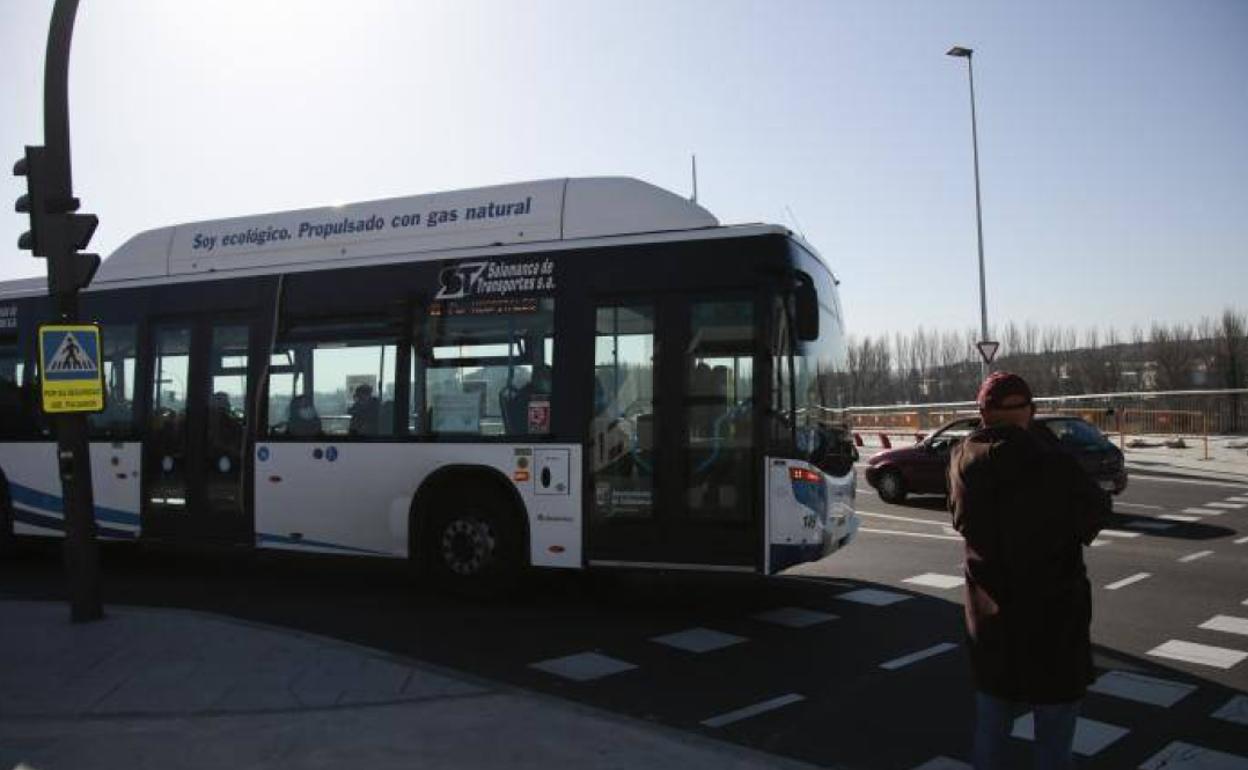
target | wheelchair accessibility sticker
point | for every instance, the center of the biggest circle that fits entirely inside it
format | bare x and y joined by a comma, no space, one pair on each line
69,368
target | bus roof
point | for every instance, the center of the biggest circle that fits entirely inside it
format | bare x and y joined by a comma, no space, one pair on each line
516,217
528,212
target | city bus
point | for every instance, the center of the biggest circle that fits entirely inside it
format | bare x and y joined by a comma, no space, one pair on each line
568,373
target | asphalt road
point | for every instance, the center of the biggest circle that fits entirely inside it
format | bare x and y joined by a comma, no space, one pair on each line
847,662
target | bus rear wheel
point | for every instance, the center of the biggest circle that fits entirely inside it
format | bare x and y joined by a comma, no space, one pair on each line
473,544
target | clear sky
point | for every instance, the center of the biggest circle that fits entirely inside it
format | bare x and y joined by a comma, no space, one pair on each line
1113,135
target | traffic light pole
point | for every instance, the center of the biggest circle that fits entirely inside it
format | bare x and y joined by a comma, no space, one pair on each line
68,271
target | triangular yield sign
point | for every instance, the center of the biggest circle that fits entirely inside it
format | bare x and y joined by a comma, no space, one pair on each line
988,350
69,357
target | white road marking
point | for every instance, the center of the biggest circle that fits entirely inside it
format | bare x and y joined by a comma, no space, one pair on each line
1090,735
1227,506
755,710
1137,577
1239,499
583,667
1145,506
1198,482
912,519
1241,541
1118,533
1227,623
873,597
1178,517
1142,689
1186,756
943,763
1204,511
907,534
1099,542
1149,524
795,617
915,657
1234,710
1202,654
936,580
699,640
1195,556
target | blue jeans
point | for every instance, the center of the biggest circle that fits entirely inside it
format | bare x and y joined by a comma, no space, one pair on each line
1054,728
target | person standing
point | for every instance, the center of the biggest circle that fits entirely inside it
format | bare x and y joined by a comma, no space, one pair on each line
1025,510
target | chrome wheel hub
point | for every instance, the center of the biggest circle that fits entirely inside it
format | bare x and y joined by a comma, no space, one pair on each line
467,545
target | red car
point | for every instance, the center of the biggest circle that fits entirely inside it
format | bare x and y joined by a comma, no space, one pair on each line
922,469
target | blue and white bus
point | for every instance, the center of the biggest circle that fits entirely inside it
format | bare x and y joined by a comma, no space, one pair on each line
564,373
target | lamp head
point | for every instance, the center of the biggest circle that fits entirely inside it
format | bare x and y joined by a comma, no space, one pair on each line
959,51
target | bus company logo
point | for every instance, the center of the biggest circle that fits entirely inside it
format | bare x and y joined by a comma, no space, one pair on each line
495,279
458,281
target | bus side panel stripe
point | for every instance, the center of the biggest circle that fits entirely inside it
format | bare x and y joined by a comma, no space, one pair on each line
33,498
44,521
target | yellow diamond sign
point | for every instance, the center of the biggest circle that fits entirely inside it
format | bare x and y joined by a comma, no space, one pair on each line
69,368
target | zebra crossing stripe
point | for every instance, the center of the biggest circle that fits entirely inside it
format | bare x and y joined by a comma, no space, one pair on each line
755,710
1186,756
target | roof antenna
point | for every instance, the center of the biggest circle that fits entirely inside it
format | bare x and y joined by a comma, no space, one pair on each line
796,223
694,158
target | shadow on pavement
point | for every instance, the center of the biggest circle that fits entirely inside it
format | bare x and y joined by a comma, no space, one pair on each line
854,711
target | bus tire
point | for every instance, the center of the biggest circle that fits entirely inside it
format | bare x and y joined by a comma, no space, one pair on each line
473,542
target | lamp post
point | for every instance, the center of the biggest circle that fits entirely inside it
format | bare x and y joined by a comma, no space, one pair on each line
966,53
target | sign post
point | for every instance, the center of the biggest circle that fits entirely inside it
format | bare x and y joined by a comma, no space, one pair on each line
69,352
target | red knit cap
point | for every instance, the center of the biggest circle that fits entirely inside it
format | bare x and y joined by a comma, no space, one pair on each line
999,386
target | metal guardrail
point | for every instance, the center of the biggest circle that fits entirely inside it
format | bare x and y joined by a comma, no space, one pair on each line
1112,422
1225,411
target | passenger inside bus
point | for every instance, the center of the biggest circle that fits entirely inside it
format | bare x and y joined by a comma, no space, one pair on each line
303,422
365,412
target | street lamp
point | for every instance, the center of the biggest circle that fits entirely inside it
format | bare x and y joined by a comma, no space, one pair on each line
965,53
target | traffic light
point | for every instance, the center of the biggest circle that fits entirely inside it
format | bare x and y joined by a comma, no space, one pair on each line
56,231
34,202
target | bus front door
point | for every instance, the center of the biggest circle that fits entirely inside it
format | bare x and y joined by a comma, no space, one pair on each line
672,466
196,432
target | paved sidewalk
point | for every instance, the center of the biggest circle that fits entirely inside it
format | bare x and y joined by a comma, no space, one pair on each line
151,688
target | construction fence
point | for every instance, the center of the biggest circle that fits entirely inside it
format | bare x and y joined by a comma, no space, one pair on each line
1174,414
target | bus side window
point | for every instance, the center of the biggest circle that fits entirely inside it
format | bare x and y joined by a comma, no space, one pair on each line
339,385
118,357
17,417
484,372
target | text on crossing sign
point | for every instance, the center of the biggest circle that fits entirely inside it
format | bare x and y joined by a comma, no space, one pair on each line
70,373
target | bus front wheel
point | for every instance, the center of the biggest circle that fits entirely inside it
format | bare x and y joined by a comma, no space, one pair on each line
473,544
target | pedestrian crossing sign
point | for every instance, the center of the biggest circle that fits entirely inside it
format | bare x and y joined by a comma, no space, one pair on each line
69,368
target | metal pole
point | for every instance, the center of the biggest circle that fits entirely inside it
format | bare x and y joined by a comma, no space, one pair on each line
81,551
979,218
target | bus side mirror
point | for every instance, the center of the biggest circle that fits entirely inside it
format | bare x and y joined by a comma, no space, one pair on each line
807,302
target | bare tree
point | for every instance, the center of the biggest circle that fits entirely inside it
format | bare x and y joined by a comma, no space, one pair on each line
1172,349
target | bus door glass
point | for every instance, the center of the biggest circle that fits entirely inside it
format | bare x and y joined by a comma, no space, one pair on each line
719,412
622,437
671,446
196,432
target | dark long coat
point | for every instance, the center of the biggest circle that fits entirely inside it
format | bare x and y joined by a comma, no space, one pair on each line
1026,509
